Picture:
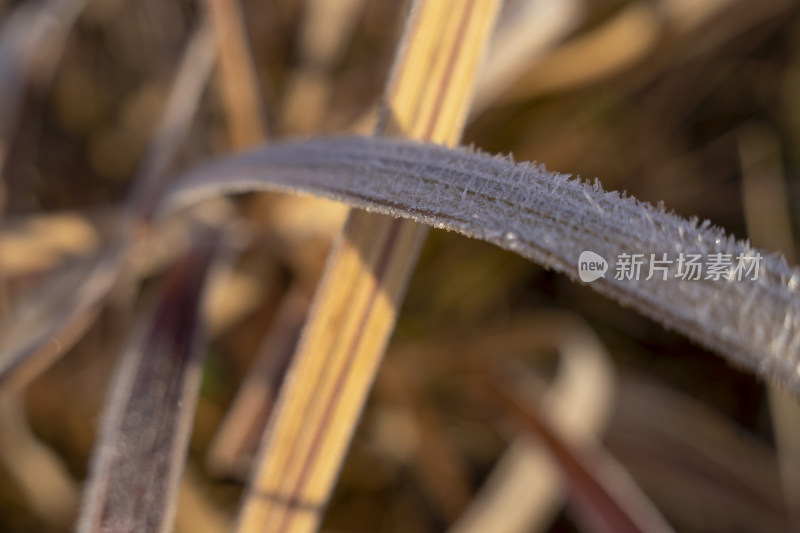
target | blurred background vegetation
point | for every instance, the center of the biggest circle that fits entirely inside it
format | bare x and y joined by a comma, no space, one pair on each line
695,103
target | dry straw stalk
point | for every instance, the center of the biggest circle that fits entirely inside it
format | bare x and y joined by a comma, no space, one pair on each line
357,302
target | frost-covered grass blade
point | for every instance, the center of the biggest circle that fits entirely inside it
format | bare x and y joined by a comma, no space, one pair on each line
547,218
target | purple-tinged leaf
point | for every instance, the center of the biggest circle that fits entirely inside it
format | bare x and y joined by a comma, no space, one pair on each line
141,451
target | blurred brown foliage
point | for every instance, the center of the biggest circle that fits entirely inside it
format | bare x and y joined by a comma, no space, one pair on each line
673,101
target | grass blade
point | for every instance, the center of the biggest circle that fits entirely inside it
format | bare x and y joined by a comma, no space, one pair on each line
31,40
236,442
141,451
527,30
237,76
39,472
604,497
708,471
548,219
184,98
324,37
525,490
764,194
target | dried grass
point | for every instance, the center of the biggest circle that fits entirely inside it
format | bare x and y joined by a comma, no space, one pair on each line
423,445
